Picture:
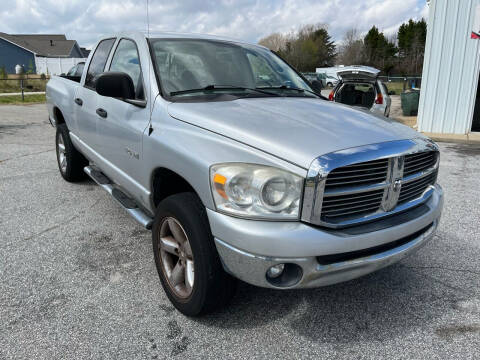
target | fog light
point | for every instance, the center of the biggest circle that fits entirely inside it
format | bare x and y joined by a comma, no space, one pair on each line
275,271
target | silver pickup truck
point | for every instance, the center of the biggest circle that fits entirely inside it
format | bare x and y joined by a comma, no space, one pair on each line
240,168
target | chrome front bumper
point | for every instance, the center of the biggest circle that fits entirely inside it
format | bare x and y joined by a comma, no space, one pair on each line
249,248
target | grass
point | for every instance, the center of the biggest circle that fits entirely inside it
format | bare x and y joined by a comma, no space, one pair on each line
10,85
17,99
396,86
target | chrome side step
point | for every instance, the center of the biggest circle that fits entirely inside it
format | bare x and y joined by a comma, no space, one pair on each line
124,200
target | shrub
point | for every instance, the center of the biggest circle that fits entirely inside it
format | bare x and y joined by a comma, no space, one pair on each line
30,67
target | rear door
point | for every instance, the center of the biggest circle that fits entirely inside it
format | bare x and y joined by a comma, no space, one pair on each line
86,97
120,131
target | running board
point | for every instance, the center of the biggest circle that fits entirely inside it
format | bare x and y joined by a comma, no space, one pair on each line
124,200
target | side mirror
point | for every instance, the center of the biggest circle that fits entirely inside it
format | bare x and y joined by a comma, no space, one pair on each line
116,85
317,86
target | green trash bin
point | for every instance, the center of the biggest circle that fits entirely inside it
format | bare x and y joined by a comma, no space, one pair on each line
410,100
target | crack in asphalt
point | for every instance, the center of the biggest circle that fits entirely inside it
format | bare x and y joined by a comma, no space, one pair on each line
24,144
25,155
28,174
62,223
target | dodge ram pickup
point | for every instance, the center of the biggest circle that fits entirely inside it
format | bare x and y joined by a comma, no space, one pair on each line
240,169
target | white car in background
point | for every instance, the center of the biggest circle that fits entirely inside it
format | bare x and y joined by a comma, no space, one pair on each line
332,81
328,79
360,86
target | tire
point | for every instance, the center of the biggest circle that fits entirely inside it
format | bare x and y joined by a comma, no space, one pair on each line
211,288
70,161
330,84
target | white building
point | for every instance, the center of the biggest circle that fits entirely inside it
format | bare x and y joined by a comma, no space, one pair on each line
449,99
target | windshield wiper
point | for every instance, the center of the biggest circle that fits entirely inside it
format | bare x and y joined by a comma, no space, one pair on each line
284,87
221,87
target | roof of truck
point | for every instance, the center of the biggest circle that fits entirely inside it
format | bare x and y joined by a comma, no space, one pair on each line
190,36
180,35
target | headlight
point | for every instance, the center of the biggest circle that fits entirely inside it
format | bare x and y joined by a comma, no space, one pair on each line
256,191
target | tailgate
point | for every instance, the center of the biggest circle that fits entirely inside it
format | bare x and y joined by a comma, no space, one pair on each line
361,73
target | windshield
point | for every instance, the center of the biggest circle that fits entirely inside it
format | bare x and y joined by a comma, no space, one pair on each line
190,64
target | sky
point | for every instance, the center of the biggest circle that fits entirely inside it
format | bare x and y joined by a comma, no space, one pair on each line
248,20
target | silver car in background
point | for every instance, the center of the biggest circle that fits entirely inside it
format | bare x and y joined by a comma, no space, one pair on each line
360,86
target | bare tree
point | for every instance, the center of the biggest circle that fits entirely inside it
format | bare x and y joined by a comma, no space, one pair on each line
352,49
275,41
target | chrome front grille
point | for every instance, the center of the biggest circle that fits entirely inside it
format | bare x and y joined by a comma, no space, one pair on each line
413,189
362,184
352,204
370,172
418,162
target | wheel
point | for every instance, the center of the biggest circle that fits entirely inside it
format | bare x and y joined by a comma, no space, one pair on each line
187,261
70,161
329,84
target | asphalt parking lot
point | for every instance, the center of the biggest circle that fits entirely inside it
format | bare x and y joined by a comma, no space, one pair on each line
78,281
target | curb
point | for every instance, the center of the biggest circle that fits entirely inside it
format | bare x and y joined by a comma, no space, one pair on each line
470,138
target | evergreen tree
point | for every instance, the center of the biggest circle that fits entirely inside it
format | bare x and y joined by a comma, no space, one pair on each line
411,46
380,52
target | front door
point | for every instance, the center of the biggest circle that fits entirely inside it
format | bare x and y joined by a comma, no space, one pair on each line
121,129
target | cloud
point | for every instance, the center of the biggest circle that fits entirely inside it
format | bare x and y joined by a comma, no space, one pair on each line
250,20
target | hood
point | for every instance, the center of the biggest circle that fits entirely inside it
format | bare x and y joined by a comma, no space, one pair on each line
295,129
353,73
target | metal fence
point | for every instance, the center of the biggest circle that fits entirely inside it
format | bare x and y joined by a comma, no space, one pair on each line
408,82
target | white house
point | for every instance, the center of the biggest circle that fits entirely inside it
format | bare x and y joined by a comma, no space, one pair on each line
39,53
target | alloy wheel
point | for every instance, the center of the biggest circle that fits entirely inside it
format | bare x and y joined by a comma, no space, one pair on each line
62,156
176,257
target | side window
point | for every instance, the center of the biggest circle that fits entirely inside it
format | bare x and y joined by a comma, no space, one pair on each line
72,71
97,65
126,60
80,67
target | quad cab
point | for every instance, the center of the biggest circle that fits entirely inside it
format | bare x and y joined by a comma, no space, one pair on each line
240,169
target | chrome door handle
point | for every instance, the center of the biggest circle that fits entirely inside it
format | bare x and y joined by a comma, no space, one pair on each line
101,112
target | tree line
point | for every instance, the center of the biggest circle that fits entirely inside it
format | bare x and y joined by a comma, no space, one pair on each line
312,47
